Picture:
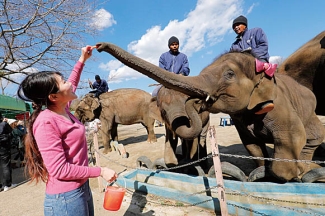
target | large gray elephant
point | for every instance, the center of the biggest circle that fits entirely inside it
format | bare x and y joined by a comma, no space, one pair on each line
231,85
307,66
122,106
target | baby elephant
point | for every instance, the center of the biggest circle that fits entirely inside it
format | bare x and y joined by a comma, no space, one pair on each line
123,106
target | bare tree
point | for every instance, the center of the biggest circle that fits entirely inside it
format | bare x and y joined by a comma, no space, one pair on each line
42,35
3,85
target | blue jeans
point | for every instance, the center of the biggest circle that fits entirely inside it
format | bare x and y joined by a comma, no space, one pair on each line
78,202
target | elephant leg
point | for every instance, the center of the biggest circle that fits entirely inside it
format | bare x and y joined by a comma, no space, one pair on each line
203,134
257,150
315,137
199,151
288,149
114,132
150,130
307,154
170,149
106,136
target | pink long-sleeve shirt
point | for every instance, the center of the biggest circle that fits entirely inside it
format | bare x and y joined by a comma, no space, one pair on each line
63,146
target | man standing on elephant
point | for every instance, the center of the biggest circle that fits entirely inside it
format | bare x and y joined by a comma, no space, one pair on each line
254,41
100,86
173,61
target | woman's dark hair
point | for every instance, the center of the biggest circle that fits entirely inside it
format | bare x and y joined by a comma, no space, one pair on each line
36,88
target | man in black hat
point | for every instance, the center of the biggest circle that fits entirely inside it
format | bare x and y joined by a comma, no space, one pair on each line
173,61
100,86
254,41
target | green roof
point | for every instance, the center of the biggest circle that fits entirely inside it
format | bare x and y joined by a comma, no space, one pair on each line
9,106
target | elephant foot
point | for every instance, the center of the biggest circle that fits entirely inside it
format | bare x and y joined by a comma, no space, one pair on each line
144,162
159,164
314,175
230,170
107,150
151,140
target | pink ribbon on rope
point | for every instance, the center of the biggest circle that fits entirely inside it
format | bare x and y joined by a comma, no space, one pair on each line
268,68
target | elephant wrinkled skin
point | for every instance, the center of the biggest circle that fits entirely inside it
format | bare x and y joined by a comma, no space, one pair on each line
230,85
307,67
182,121
122,106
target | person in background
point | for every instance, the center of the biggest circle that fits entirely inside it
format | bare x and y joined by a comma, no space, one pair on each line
18,133
55,145
20,126
254,41
100,86
5,154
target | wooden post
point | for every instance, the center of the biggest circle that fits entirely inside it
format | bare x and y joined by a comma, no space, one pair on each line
218,171
97,156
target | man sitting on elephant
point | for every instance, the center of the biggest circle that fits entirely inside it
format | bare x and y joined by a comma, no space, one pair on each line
100,86
254,41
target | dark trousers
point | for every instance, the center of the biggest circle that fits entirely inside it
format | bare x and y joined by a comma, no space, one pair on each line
5,163
97,92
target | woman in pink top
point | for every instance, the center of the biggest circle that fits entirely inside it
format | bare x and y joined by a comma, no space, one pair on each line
56,147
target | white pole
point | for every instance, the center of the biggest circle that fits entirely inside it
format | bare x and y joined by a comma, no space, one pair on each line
97,156
218,171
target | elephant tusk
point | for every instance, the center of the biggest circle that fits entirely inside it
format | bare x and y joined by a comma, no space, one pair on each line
208,97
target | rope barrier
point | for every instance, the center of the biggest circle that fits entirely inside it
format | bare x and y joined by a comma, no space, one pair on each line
266,200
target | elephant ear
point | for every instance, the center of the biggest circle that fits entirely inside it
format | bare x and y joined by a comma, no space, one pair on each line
89,103
265,90
105,101
94,103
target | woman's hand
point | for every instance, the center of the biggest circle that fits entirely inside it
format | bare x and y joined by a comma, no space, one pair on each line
86,53
108,174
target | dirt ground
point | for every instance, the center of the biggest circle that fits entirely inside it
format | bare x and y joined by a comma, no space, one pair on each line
27,199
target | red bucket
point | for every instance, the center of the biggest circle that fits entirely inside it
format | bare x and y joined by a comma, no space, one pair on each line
113,198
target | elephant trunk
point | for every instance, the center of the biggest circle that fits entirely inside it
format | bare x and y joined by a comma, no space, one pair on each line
188,85
193,126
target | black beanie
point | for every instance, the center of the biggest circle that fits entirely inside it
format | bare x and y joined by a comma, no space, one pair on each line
240,20
97,77
171,40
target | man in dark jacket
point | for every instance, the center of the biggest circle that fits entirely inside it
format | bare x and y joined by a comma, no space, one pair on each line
100,86
254,41
173,61
5,154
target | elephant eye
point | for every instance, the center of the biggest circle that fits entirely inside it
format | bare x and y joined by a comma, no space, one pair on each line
229,74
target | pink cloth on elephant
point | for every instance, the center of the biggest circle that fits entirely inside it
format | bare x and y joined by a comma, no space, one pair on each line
268,68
